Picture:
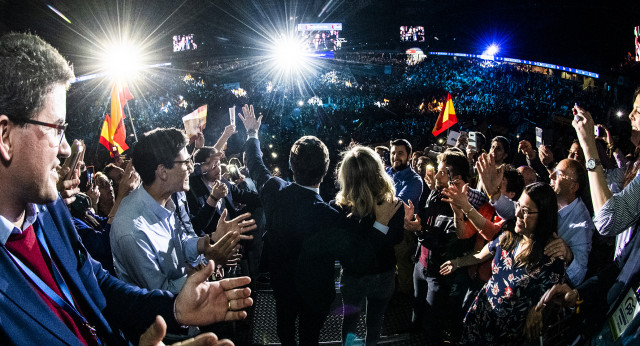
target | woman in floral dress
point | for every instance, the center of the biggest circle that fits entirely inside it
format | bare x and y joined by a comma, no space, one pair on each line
521,272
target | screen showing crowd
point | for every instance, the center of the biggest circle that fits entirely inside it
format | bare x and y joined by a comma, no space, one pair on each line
412,33
184,42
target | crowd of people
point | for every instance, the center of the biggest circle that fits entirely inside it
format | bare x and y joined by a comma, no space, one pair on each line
172,235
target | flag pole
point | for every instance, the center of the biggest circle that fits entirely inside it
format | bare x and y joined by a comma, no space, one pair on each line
131,120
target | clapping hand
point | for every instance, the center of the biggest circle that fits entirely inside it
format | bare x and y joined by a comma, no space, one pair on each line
412,221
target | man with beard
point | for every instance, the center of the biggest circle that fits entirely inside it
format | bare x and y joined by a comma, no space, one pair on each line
409,189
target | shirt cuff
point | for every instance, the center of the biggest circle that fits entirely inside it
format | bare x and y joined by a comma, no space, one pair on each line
380,227
252,135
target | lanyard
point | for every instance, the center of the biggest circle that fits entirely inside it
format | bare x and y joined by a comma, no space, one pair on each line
68,304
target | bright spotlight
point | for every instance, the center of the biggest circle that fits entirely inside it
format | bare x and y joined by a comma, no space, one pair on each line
289,53
270,146
300,103
274,155
492,50
122,60
339,141
619,114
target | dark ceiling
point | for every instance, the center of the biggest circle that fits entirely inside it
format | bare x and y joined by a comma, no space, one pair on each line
592,35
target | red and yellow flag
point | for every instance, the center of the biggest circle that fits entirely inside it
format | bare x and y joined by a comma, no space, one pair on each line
113,132
447,117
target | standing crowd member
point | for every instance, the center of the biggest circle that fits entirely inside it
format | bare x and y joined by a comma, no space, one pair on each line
305,235
364,184
408,185
51,290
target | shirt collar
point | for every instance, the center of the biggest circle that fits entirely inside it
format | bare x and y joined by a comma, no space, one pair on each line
568,208
7,227
160,211
314,189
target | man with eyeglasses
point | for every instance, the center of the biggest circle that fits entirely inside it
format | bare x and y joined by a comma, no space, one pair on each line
51,290
153,242
575,227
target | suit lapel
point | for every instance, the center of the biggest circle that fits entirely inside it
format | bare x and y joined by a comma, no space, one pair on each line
21,292
65,256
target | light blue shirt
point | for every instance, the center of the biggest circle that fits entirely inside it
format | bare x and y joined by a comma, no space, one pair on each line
576,228
151,246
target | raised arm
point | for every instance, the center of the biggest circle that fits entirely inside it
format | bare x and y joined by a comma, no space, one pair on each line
257,169
583,123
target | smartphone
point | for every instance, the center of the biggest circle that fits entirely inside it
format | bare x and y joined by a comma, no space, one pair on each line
538,137
232,115
596,130
77,151
91,176
234,174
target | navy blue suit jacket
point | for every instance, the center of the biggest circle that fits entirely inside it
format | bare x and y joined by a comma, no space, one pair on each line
107,303
304,236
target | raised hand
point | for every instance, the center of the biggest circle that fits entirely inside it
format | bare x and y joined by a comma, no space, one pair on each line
202,303
490,175
386,209
130,181
583,123
412,221
241,224
546,155
251,124
68,188
219,190
223,249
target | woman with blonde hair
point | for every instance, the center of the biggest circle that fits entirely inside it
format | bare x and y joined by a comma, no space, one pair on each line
364,186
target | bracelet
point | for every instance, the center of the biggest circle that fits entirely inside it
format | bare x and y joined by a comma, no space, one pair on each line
495,193
466,213
252,132
578,301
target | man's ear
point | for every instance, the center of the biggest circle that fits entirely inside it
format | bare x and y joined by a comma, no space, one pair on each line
511,195
161,173
5,140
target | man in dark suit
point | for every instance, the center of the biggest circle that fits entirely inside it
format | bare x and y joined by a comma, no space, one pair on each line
51,290
209,195
304,235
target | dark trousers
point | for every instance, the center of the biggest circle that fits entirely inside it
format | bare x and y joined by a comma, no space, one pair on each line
430,297
290,306
376,290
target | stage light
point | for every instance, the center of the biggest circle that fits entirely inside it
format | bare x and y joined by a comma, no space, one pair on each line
289,53
122,60
619,114
340,141
300,103
270,146
274,155
492,50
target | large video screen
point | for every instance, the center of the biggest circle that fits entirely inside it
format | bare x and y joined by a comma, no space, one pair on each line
412,33
636,31
183,43
321,37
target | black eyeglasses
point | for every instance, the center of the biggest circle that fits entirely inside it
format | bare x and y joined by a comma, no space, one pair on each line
59,128
188,162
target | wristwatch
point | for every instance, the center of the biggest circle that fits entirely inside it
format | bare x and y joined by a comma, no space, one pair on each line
592,164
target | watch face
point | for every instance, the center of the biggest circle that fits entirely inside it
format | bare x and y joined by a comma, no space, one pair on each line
591,164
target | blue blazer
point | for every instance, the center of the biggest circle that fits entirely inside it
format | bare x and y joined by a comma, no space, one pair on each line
110,305
304,236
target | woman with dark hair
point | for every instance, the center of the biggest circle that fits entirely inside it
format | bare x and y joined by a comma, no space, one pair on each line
521,272
364,186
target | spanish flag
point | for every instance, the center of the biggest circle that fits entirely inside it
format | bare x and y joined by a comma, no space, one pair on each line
447,117
113,131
